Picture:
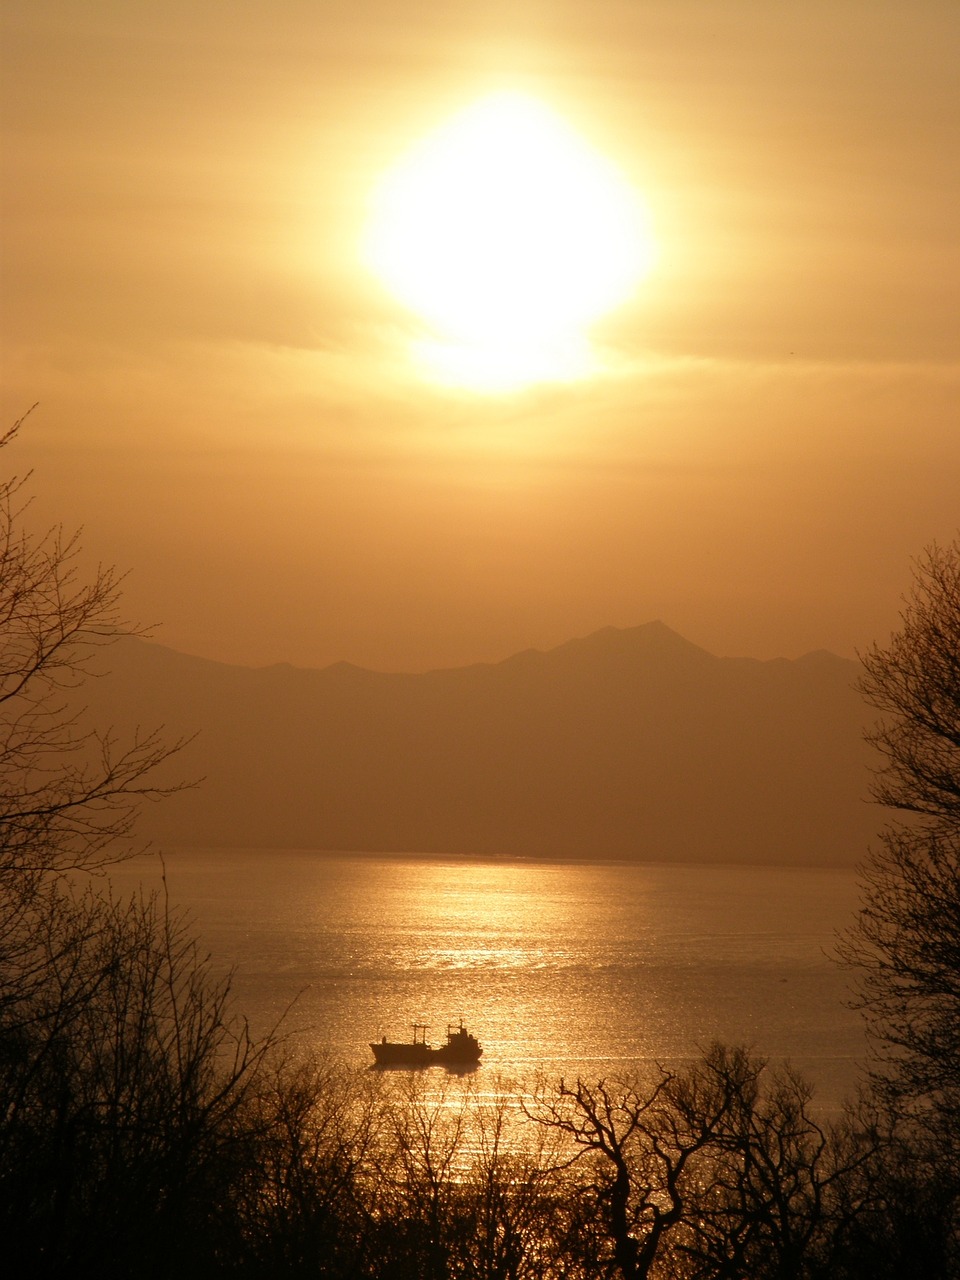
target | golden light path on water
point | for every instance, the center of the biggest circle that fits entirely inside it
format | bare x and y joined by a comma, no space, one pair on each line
560,969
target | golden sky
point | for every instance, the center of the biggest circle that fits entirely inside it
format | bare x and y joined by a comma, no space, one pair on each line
227,398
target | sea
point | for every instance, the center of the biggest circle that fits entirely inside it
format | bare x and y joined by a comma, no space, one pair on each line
563,969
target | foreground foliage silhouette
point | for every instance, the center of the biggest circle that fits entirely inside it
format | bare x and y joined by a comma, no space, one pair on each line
120,1073
144,1133
908,936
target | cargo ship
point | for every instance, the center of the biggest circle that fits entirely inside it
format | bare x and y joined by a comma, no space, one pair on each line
461,1049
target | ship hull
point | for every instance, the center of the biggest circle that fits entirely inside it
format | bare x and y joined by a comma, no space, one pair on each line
461,1050
403,1055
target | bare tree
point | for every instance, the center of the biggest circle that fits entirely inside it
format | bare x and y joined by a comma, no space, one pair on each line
639,1140
907,938
510,1211
914,681
126,1090
122,1074
777,1194
305,1200
715,1172
68,792
418,1168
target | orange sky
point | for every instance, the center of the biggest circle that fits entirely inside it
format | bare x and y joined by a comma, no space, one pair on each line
226,402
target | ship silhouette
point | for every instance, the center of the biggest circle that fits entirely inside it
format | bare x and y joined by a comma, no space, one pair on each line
461,1049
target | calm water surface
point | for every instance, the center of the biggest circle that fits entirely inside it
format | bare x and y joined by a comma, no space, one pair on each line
590,969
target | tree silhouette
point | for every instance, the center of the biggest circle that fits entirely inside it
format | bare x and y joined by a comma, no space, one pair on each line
123,1077
907,938
69,792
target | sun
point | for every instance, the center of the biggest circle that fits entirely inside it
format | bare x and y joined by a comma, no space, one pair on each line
508,235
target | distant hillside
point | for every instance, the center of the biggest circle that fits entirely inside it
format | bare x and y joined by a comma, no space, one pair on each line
625,744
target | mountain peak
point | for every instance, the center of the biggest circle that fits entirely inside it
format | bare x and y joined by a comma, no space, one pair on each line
648,639
627,743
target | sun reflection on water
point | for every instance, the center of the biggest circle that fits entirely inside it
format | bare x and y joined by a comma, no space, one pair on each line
565,969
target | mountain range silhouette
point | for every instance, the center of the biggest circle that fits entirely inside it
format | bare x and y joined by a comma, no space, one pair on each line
628,743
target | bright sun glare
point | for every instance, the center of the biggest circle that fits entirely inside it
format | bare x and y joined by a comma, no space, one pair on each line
509,235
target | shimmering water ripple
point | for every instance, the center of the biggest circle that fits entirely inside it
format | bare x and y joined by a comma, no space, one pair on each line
591,969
